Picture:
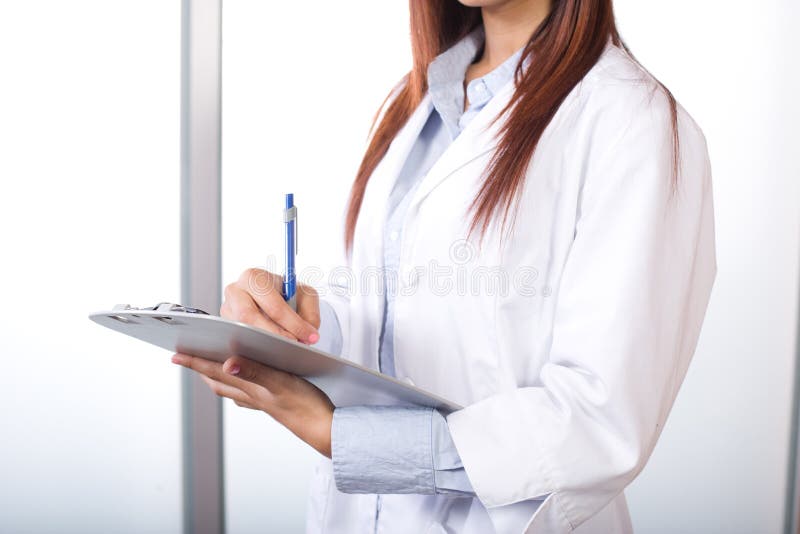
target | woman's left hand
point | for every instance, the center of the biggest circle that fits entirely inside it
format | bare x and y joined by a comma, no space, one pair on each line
292,401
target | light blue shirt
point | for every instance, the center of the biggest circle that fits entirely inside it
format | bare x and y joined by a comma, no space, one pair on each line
409,450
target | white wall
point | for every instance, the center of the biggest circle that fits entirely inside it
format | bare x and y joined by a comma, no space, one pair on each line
89,174
721,463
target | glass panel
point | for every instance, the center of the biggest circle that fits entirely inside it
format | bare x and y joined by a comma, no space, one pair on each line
299,93
89,132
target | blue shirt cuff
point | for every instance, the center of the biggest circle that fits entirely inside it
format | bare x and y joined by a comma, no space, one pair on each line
381,449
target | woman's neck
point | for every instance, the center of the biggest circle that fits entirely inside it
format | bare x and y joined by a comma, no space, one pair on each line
508,26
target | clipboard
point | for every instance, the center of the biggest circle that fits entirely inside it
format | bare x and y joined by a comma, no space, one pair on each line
193,331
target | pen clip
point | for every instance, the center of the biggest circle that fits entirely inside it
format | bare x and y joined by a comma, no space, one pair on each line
289,215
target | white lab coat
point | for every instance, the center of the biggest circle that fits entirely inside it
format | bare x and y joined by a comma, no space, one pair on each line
569,364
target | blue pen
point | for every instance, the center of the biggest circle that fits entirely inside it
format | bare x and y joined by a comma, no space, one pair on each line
289,278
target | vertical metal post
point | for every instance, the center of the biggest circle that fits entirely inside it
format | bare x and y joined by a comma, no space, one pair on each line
201,28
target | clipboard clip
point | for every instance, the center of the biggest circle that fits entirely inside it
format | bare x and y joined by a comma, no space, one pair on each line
161,307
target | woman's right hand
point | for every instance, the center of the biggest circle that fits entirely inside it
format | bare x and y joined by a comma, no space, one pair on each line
256,298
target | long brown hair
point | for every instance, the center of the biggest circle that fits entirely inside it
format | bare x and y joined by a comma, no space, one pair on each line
566,46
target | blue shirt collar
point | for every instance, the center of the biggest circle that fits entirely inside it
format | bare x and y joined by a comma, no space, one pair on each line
446,79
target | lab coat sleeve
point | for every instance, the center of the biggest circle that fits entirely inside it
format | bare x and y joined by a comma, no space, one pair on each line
630,304
330,332
334,313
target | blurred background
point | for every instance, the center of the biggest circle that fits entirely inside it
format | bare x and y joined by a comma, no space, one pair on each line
91,117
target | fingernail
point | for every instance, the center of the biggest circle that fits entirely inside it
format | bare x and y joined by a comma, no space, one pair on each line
178,359
234,370
313,338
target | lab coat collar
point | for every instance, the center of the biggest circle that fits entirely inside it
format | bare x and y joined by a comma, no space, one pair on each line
479,137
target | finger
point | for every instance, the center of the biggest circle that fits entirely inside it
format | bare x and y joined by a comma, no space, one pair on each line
263,288
245,405
239,306
201,365
213,370
259,282
269,378
308,305
224,390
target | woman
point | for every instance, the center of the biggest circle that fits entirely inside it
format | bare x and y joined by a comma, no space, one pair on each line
542,211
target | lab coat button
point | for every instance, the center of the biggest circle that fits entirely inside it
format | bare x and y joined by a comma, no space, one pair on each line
394,235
